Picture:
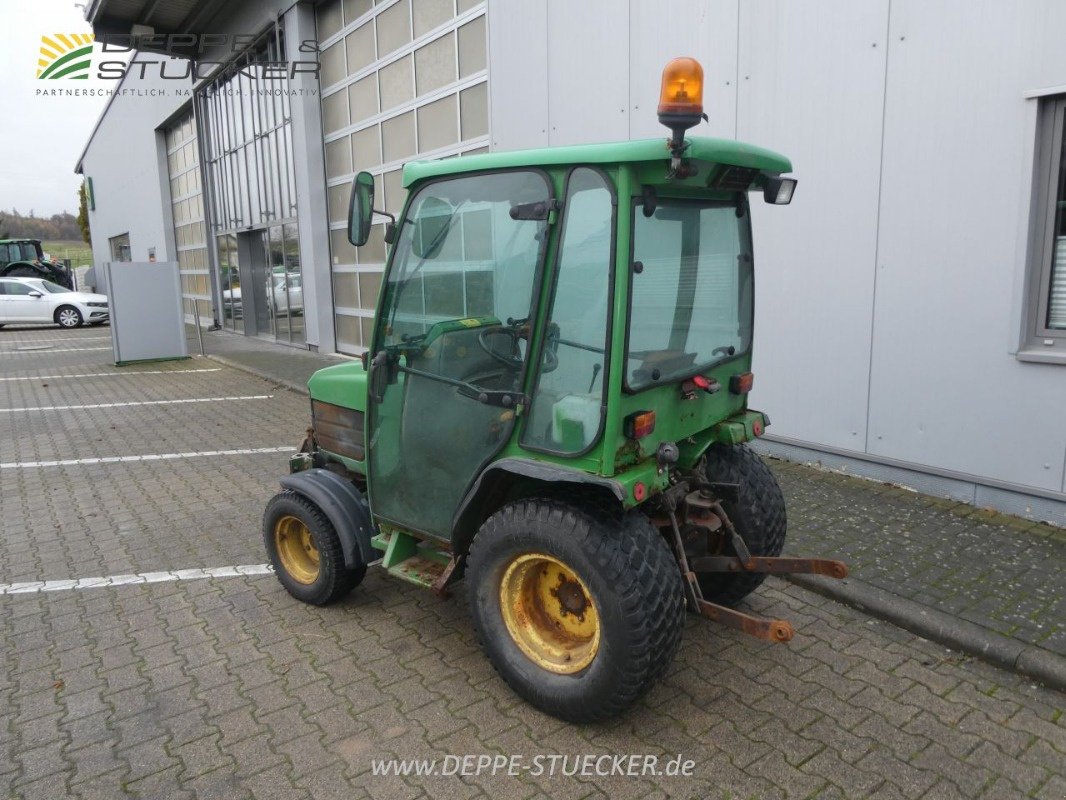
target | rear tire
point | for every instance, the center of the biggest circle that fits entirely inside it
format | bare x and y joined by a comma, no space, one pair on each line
594,615
68,317
759,517
305,551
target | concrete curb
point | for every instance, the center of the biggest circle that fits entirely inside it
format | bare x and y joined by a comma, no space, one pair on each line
937,626
292,386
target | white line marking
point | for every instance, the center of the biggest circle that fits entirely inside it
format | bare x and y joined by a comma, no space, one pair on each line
109,374
27,587
69,462
58,350
140,403
62,339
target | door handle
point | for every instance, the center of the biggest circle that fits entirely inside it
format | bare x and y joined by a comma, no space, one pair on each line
378,376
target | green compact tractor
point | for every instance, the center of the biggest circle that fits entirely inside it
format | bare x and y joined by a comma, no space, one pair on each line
554,408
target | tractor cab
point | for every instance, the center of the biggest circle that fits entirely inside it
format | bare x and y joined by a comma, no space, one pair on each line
554,404
574,306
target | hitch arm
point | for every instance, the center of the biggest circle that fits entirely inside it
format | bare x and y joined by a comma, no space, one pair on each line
772,565
773,630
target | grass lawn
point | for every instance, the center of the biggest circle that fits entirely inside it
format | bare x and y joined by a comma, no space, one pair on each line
76,250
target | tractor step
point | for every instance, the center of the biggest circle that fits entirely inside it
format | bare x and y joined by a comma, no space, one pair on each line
421,570
413,560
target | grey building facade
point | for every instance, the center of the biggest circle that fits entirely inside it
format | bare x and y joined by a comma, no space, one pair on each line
911,311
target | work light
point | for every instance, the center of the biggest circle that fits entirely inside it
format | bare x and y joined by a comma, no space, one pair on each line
779,191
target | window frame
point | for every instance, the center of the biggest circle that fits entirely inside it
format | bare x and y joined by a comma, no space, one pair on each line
1039,342
377,342
29,289
637,203
550,304
117,242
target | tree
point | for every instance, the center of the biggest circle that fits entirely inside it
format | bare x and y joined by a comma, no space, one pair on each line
83,214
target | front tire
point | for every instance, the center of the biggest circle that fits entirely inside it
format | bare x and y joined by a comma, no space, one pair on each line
759,518
579,612
68,317
305,551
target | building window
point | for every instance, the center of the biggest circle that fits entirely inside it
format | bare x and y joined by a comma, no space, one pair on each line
120,248
1047,300
400,80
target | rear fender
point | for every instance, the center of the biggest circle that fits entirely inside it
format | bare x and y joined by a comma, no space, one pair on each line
502,479
345,507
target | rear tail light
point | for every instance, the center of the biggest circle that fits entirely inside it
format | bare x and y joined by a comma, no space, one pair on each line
639,424
708,385
741,384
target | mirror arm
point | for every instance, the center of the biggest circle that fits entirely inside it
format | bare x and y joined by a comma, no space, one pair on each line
390,227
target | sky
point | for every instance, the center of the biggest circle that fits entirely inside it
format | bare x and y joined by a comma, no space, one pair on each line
42,136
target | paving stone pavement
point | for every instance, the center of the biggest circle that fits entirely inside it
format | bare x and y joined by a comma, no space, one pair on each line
1004,573
227,687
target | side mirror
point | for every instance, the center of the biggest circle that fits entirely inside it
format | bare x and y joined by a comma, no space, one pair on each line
361,209
433,220
36,294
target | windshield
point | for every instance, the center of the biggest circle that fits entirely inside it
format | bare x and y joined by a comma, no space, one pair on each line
691,298
29,251
53,288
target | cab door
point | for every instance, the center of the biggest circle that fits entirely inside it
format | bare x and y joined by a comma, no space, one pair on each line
451,342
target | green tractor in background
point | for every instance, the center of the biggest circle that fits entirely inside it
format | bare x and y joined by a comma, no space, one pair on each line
554,407
24,258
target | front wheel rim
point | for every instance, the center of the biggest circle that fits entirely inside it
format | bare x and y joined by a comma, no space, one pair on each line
549,613
296,549
68,318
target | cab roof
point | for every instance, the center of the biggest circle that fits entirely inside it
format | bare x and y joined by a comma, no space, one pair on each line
701,148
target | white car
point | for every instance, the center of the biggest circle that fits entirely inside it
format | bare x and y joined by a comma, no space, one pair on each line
28,300
281,305
294,303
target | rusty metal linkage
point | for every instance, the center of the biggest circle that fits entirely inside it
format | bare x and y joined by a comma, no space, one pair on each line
772,565
693,595
440,585
703,511
772,630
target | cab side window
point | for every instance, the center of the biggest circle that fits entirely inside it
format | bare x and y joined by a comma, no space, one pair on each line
567,408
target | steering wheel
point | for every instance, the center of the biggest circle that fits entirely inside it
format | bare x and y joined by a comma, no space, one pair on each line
512,360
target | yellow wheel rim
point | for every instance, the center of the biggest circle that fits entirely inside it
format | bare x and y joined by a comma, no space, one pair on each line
549,613
296,549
